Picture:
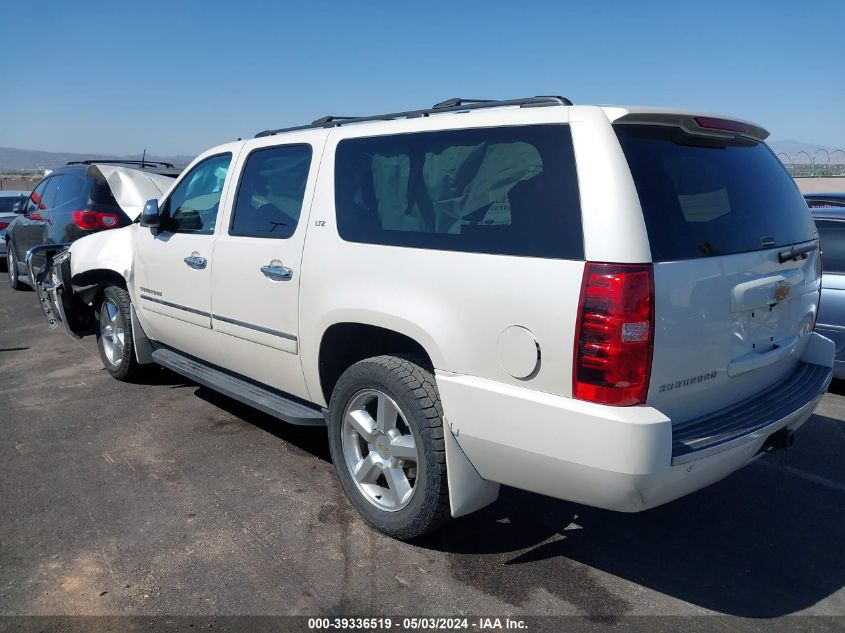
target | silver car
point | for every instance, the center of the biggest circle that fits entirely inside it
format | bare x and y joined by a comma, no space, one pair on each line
829,213
7,201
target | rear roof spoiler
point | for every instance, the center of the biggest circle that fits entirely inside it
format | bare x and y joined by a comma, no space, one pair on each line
698,124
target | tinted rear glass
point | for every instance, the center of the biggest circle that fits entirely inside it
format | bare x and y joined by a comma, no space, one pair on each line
6,204
703,197
101,193
508,190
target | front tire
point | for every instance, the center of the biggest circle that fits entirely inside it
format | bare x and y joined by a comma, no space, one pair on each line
114,334
12,268
387,445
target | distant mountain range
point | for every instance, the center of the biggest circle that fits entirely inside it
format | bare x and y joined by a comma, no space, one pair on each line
12,158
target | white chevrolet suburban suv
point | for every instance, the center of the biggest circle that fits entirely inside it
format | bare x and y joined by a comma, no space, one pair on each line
609,305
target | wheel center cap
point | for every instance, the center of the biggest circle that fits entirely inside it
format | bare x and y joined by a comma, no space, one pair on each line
383,446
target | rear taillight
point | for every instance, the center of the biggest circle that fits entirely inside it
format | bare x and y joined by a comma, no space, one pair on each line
614,337
3,225
91,220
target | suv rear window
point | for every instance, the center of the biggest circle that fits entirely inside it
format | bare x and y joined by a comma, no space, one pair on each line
704,197
506,190
101,193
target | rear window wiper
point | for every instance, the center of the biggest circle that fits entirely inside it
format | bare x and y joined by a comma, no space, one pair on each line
799,250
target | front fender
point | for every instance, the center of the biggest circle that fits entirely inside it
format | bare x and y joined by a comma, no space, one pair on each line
107,250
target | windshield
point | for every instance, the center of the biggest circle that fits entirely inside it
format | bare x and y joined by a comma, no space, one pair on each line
705,197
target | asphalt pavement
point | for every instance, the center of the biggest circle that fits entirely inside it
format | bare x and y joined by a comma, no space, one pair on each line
163,497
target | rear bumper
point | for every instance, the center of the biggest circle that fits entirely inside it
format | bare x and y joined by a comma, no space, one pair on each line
758,416
619,458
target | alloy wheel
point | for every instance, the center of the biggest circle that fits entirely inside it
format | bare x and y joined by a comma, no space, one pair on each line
112,332
12,266
380,450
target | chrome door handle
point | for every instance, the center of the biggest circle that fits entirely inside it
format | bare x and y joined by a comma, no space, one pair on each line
276,272
195,261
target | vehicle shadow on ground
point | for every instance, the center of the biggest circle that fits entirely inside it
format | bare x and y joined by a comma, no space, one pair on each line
760,544
155,375
311,439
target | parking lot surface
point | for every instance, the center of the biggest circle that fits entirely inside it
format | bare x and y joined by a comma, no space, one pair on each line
166,498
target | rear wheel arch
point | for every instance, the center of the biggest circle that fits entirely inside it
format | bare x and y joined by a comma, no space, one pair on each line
344,344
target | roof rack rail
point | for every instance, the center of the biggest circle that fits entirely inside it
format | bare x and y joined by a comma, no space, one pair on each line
112,161
456,104
330,119
457,101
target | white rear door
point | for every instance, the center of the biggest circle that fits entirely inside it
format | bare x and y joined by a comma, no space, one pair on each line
257,256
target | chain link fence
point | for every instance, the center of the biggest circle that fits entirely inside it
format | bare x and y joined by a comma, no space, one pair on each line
821,163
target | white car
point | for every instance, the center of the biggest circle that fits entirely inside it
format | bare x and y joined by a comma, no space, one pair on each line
609,305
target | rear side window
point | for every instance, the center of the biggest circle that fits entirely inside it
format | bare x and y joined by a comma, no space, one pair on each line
832,236
271,191
101,193
70,188
704,197
508,191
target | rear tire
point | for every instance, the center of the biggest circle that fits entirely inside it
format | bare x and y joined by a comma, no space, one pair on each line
12,268
114,334
387,445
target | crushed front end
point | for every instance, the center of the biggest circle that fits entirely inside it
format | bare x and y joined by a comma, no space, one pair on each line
56,295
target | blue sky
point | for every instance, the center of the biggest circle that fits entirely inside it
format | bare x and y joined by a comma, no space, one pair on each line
178,77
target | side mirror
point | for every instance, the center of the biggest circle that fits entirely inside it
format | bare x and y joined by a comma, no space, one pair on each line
20,204
150,216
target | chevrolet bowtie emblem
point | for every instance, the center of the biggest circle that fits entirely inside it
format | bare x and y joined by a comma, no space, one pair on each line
781,291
